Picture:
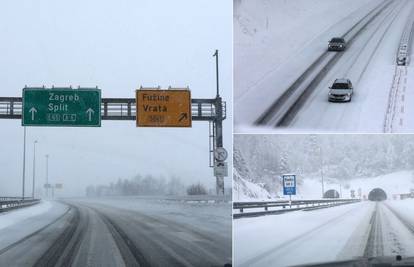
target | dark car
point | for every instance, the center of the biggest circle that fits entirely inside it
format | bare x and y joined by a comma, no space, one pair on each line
337,44
341,91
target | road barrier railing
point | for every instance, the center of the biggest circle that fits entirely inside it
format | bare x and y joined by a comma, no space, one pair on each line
254,208
9,203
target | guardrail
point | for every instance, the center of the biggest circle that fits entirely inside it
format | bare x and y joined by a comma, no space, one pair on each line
200,198
278,207
9,203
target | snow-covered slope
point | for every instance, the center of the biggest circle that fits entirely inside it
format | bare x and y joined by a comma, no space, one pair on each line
244,190
243,187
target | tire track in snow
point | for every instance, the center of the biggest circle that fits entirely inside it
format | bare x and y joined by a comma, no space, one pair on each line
394,116
280,249
375,246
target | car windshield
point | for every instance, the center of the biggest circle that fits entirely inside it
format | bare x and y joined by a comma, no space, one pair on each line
337,40
340,86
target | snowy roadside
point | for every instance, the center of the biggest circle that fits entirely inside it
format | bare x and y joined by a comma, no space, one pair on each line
15,216
16,224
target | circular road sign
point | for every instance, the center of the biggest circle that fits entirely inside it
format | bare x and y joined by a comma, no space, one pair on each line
220,154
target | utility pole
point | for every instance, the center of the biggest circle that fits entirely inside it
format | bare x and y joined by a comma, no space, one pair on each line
34,168
47,175
24,162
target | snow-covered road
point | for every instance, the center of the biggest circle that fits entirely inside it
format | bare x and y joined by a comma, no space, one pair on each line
366,229
369,62
120,232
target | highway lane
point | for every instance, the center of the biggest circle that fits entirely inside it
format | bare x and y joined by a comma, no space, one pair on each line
368,63
96,233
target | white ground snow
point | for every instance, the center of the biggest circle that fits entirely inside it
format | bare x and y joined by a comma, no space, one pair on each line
307,236
302,237
18,215
405,207
244,190
17,224
332,234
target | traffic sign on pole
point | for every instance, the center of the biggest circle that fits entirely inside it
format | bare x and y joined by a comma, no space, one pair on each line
220,154
221,169
163,108
289,184
61,107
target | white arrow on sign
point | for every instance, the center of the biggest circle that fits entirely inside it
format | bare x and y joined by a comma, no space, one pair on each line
90,112
33,111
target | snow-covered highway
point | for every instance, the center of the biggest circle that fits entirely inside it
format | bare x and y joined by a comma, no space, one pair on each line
374,33
117,232
361,230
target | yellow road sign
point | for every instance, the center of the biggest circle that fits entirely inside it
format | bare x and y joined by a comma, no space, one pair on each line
163,108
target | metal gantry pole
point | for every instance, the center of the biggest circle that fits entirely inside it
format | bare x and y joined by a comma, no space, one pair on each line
34,168
24,162
219,127
47,175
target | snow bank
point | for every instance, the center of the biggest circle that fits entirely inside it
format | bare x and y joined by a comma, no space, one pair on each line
15,216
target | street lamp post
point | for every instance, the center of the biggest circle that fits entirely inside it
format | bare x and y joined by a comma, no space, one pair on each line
24,162
34,168
47,175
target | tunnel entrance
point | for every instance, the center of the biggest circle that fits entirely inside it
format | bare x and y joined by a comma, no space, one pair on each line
332,193
377,194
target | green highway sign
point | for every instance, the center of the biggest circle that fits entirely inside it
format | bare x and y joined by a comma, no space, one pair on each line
61,107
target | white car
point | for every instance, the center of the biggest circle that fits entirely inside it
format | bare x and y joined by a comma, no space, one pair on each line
341,91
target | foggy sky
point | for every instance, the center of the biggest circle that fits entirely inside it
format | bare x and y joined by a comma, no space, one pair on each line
117,46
